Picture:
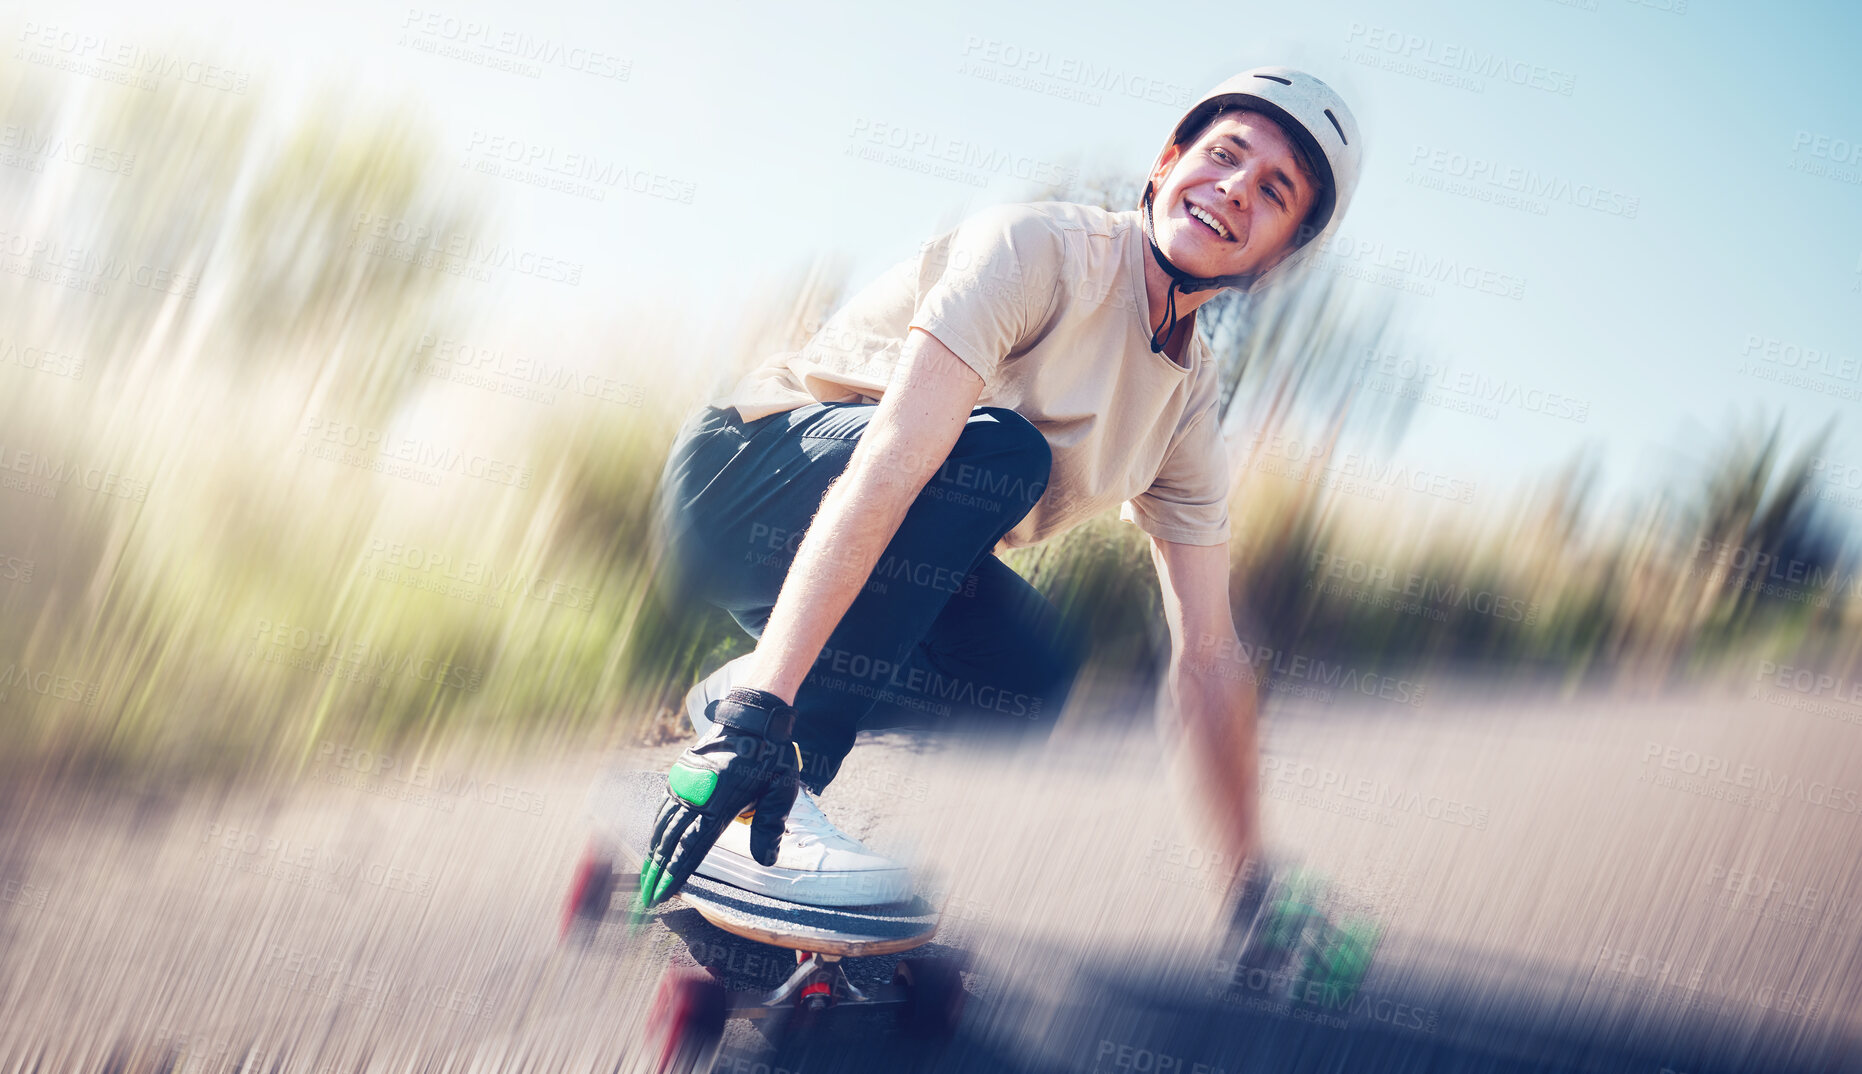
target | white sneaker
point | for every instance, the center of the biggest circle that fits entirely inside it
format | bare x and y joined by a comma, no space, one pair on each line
817,864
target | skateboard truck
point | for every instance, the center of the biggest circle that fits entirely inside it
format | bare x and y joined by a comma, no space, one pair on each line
820,982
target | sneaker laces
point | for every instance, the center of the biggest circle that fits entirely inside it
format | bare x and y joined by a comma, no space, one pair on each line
807,825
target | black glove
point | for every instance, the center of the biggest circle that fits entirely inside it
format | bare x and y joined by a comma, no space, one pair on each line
749,759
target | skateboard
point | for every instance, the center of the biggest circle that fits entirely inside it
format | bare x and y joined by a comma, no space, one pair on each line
686,1022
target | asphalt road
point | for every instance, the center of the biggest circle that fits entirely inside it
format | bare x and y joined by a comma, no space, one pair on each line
1591,885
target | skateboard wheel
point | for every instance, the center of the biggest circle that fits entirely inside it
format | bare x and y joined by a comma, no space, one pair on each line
933,996
590,891
686,1023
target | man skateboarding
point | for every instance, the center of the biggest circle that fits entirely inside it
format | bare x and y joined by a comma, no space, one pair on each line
1025,372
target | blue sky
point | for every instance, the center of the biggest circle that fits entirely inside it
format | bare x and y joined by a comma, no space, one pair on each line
1716,119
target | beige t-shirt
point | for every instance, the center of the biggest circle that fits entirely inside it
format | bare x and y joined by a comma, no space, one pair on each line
1046,302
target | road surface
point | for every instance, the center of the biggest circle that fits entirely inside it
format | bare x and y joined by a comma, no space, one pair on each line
1584,885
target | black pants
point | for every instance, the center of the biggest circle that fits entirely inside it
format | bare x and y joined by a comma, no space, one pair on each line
942,634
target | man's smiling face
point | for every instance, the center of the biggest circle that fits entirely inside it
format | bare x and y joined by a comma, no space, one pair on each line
1232,201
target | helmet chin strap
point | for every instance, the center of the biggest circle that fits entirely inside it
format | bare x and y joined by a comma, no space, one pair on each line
1179,279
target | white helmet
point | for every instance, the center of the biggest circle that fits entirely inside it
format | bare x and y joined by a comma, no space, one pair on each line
1313,116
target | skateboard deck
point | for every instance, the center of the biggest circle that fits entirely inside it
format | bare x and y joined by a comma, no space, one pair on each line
624,805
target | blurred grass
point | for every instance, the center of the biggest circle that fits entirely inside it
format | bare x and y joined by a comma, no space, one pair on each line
171,605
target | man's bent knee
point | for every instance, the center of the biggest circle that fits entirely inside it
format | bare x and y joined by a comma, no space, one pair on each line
1000,431
999,455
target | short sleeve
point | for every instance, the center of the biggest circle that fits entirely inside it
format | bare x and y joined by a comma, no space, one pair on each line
986,286
1187,502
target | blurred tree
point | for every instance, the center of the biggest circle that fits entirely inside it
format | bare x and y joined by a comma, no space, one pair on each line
1759,539
314,278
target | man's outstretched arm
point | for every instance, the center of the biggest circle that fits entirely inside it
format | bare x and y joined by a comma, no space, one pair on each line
749,756
919,418
1211,691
